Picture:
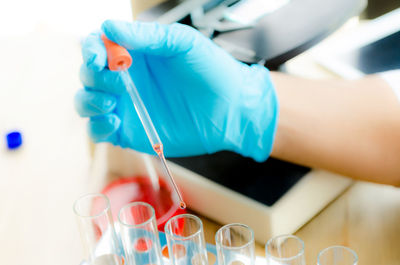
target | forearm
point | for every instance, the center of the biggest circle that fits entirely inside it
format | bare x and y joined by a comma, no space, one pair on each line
348,127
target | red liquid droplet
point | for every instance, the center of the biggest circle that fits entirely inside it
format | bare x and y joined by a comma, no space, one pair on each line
158,148
182,205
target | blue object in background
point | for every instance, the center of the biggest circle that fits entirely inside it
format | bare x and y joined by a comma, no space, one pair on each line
14,140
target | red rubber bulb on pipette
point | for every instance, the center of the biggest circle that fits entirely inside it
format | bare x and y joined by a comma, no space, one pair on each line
118,57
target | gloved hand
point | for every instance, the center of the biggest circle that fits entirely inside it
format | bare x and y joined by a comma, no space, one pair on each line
200,99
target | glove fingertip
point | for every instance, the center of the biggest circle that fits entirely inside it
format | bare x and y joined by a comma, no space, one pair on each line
98,63
100,128
94,63
94,53
111,28
141,36
94,103
150,37
106,25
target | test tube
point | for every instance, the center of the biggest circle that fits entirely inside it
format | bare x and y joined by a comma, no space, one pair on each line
101,245
139,234
285,250
185,238
235,245
337,255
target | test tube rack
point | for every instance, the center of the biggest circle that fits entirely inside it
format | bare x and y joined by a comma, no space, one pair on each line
211,249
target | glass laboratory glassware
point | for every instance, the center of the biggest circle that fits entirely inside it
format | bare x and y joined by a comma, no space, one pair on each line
337,255
185,238
139,234
101,245
285,249
235,245
119,60
134,176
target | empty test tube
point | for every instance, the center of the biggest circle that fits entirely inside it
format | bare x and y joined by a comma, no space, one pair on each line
101,245
235,245
285,250
337,255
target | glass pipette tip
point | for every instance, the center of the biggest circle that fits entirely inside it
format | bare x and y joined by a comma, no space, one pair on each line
149,129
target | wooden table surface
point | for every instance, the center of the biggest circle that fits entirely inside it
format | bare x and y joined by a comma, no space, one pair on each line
365,218
38,77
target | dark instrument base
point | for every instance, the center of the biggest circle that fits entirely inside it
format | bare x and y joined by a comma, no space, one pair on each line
264,182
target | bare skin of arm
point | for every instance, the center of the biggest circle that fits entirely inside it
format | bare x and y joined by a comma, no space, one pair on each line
351,127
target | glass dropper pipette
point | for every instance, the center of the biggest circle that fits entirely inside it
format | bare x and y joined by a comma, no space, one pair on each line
120,60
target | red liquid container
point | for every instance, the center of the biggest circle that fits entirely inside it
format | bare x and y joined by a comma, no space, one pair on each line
126,176
140,188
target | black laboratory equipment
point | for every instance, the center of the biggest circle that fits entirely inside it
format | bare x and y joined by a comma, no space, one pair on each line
283,29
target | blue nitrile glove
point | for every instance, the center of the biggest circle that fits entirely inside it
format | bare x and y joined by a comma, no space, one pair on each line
200,99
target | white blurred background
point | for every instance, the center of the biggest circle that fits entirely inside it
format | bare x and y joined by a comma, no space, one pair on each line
77,17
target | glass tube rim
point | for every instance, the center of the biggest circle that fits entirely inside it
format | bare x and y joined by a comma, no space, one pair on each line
234,248
92,195
269,255
141,224
176,237
337,246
